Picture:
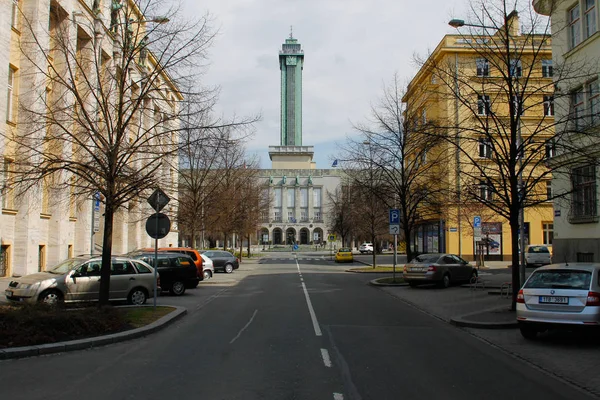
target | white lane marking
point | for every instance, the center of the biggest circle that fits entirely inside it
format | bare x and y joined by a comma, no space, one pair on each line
311,310
326,358
211,298
244,328
338,396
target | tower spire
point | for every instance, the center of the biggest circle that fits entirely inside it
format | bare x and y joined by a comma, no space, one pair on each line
291,31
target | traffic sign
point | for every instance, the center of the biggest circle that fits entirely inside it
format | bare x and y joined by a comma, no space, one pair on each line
158,229
331,238
394,229
96,212
477,234
394,216
476,222
158,200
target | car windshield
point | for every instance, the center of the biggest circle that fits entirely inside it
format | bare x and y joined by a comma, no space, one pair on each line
559,279
65,266
344,250
538,249
426,258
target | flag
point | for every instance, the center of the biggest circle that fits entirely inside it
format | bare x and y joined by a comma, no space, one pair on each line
335,163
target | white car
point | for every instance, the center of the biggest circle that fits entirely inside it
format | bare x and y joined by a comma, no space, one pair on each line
537,255
208,268
366,248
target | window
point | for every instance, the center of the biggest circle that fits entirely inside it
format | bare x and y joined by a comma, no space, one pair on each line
548,190
483,67
483,105
10,94
317,197
583,198
574,26
42,257
7,186
291,217
550,148
264,215
277,197
4,260
518,105
593,102
318,216
577,107
549,106
485,191
548,230
291,197
547,69
590,18
516,69
277,216
485,148
303,197
14,16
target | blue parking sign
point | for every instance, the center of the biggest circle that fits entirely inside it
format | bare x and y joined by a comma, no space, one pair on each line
476,222
394,216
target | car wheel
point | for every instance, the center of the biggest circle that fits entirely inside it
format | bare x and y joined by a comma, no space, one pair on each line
137,297
207,275
528,332
473,278
51,297
446,281
228,268
177,288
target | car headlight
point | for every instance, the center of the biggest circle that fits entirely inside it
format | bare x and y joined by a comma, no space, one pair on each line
24,286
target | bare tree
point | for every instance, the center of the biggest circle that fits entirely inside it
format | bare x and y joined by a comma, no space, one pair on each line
403,152
495,97
341,212
106,118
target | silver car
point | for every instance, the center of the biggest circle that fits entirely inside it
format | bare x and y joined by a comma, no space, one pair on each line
208,267
78,279
443,269
559,295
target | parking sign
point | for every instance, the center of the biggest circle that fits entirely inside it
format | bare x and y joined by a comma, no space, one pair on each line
394,216
476,222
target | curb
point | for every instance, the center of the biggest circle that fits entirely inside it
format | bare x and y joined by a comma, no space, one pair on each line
463,321
375,283
81,344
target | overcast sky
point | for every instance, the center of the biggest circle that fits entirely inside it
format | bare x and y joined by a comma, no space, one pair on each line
351,48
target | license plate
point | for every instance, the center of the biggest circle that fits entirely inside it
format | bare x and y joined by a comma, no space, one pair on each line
418,269
554,299
8,293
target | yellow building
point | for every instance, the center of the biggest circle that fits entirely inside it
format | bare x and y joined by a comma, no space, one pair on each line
476,129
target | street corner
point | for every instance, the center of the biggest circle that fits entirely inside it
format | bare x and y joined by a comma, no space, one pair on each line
388,282
494,318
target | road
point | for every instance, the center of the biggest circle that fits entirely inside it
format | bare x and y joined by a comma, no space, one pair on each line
288,328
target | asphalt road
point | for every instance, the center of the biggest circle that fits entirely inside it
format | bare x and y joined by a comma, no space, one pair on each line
288,329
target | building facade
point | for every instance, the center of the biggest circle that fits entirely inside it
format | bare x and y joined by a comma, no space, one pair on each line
297,191
47,225
456,91
576,41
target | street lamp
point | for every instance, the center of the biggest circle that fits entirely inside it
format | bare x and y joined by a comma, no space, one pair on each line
459,23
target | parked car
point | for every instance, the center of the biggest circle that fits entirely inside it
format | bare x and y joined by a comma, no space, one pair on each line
177,272
366,248
559,295
443,269
344,254
208,267
78,279
537,255
193,253
222,260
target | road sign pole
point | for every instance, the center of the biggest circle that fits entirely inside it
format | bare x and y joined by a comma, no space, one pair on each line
156,251
395,258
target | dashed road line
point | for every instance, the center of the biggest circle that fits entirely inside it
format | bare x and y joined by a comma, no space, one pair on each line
311,310
326,358
338,396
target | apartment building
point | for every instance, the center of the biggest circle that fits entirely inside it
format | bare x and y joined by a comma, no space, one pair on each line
576,42
52,221
460,92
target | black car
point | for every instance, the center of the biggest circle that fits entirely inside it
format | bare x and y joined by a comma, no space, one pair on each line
222,260
176,271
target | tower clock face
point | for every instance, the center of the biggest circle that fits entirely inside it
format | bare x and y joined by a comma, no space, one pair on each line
290,60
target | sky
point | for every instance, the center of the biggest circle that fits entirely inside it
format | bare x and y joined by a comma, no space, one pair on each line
351,49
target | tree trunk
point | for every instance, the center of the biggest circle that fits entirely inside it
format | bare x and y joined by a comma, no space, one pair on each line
106,254
248,245
514,238
241,248
409,252
374,251
225,234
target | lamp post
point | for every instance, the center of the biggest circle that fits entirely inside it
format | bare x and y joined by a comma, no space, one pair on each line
515,108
